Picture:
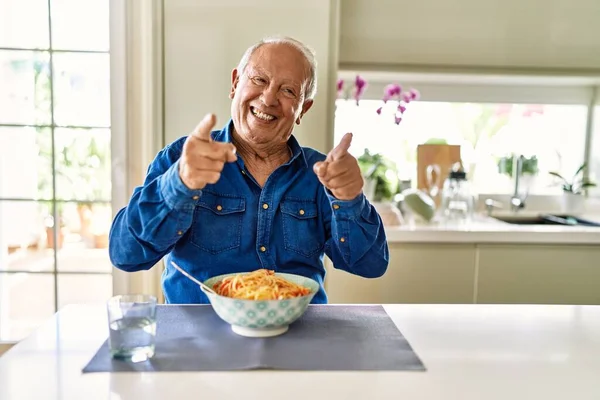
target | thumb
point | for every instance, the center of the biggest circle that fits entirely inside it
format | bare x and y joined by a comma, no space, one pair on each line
203,129
320,168
342,148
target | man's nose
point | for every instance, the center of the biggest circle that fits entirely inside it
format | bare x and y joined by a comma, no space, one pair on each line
269,97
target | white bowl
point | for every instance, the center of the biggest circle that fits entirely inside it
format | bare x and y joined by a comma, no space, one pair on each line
261,318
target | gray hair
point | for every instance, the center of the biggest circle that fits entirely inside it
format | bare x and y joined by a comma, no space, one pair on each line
307,52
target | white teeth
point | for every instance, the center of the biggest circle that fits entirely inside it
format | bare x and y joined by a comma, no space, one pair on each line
262,115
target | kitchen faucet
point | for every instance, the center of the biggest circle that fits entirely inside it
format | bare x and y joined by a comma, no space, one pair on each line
517,201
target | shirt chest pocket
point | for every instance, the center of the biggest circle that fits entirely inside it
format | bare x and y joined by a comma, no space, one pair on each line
217,225
302,232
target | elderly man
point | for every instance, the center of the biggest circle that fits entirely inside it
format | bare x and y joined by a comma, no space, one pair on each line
249,196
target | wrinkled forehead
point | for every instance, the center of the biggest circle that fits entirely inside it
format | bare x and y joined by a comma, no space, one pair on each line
280,61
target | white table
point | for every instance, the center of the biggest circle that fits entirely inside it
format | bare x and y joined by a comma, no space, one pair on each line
470,351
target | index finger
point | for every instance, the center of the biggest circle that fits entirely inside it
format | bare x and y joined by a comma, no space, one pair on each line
342,148
204,128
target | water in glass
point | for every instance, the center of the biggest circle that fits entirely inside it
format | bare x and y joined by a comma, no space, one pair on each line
132,323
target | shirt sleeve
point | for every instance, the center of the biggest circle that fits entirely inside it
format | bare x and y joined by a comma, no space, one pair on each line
158,215
357,242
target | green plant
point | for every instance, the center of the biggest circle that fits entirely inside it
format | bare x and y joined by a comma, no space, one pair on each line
436,141
530,165
577,184
379,171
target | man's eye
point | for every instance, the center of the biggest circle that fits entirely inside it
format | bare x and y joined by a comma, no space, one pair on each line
289,92
259,80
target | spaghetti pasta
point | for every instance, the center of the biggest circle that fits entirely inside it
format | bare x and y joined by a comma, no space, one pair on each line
261,284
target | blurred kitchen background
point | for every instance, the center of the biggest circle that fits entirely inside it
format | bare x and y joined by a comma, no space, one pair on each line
90,90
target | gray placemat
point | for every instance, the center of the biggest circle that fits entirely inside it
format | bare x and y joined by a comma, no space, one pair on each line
325,338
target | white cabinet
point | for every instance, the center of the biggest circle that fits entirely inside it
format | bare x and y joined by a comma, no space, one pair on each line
418,273
470,273
537,34
546,274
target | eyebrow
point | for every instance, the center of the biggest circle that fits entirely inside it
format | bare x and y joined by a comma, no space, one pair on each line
250,70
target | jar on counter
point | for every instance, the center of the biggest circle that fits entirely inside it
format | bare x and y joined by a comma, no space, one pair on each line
457,198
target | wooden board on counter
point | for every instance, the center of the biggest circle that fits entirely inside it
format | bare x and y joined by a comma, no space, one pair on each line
442,155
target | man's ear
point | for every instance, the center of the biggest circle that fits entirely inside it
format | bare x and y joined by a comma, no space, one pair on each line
235,78
305,107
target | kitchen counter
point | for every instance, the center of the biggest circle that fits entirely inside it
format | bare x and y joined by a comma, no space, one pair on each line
484,229
470,352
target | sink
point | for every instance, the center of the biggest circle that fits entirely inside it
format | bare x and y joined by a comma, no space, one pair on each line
546,219
528,220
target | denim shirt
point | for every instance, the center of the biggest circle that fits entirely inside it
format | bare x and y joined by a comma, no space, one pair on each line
234,225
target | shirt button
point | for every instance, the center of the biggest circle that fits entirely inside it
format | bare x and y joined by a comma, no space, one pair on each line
265,206
263,249
336,206
195,197
342,240
219,208
180,233
243,172
301,212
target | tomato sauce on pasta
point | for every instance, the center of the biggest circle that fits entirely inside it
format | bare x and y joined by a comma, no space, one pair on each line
261,284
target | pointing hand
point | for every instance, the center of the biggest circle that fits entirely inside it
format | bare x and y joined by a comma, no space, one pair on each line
202,159
340,172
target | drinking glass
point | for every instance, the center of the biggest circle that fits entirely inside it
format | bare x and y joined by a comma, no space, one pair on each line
132,323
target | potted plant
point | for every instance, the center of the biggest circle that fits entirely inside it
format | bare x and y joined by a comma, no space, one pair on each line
530,165
381,184
378,173
574,188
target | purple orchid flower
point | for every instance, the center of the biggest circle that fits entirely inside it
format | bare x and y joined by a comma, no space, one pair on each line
340,89
361,86
392,90
360,83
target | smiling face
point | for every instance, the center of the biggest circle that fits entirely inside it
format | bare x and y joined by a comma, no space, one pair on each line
269,95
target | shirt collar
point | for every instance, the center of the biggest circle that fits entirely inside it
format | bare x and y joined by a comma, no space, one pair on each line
297,150
224,135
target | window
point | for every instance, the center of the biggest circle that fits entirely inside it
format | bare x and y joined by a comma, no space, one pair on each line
55,186
489,134
491,123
